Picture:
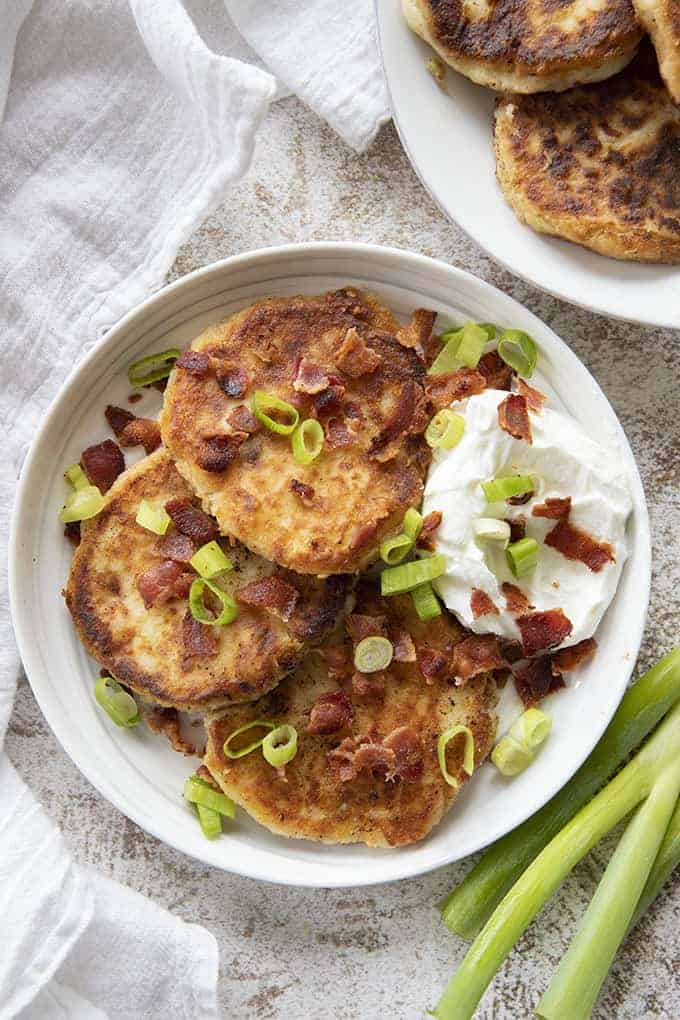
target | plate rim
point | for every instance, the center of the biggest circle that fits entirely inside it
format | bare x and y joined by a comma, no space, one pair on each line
22,495
647,321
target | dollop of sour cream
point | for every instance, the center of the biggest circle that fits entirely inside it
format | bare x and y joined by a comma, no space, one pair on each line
565,461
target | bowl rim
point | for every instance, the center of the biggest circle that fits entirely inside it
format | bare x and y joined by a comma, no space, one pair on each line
31,659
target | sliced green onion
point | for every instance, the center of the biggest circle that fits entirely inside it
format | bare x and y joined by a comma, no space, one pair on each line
522,556
211,821
488,529
471,344
510,757
408,576
531,729
307,441
504,488
413,523
151,518
263,402
393,550
198,608
490,329
255,724
451,334
445,430
445,739
197,791
153,367
210,560
425,602
81,505
76,477
280,746
518,350
120,706
447,359
373,654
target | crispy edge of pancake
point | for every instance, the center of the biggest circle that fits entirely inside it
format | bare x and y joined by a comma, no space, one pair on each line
603,232
501,77
273,649
329,542
308,803
661,18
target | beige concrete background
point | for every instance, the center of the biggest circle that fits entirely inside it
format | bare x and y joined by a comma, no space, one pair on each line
382,952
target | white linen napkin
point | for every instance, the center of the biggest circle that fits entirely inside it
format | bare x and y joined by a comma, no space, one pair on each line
122,130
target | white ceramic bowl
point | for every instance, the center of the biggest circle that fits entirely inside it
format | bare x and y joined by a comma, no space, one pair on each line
448,137
137,771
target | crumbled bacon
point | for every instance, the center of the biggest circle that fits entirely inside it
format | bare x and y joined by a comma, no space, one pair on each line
567,659
304,492
447,387
521,500
216,453
270,593
498,375
310,378
476,654
176,547
354,357
203,773
513,417
404,649
330,712
72,532
416,334
576,544
231,379
166,721
369,685
515,599
199,640
481,604
430,524
242,419
103,463
338,661
434,665
191,521
534,398
134,398
404,418
511,650
360,626
329,401
194,362
162,582
554,509
144,432
518,527
336,433
364,535
408,753
535,680
118,417
543,630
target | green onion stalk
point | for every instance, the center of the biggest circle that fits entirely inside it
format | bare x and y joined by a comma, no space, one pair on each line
650,783
469,906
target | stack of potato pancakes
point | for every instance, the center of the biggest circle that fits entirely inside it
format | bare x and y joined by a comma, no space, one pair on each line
587,126
301,528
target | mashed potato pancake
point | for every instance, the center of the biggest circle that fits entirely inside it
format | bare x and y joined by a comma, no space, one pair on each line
366,768
128,596
339,360
528,45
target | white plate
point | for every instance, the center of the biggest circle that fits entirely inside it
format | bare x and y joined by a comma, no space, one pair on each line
137,771
448,139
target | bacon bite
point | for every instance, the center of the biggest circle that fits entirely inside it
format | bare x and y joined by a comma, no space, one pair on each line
567,659
354,357
194,362
191,521
543,630
481,604
164,581
536,680
330,712
447,387
513,417
576,544
554,509
199,640
102,463
271,593
515,599
477,654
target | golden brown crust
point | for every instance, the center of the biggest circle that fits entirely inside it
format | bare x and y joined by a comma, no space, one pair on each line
143,647
599,165
361,489
310,802
528,45
661,18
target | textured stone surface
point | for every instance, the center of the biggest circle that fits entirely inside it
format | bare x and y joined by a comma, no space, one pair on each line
382,952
